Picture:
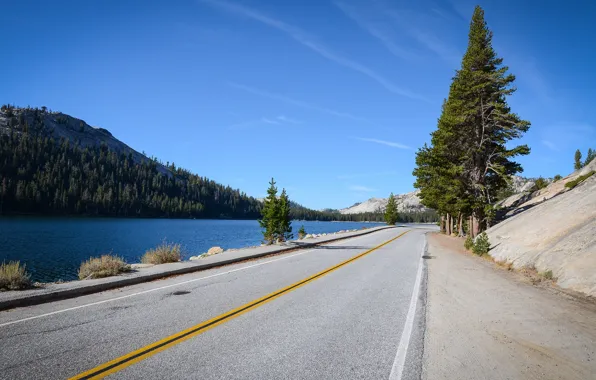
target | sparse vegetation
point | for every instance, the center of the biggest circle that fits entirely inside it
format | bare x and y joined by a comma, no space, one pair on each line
13,276
469,243
557,178
163,253
103,266
578,180
481,244
539,184
301,232
547,275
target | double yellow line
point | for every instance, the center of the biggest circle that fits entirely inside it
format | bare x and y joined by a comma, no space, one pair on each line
136,356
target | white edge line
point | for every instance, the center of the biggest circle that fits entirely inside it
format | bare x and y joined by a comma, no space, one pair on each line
404,341
160,288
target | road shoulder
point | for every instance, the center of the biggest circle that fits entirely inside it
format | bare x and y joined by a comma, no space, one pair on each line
483,322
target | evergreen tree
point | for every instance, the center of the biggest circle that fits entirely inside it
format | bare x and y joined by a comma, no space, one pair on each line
284,223
590,156
578,160
468,161
391,211
270,215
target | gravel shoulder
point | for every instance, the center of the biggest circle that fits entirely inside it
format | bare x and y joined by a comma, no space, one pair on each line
484,322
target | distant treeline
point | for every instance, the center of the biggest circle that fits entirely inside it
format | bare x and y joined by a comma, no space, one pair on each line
40,175
299,212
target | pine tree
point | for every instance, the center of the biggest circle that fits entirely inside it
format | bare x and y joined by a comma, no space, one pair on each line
284,229
270,214
578,160
391,211
590,156
468,161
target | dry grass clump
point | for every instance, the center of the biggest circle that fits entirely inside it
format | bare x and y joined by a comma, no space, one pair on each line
163,253
103,266
13,276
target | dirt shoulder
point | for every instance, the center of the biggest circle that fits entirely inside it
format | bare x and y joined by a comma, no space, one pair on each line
485,322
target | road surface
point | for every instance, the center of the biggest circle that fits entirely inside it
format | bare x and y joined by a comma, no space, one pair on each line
309,314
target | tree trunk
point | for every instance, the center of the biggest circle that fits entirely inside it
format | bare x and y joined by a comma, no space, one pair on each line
460,225
443,224
476,225
449,225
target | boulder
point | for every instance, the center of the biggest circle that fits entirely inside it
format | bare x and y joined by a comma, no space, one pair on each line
214,251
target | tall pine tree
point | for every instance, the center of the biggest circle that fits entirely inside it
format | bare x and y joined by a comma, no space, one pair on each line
468,161
391,211
270,214
284,226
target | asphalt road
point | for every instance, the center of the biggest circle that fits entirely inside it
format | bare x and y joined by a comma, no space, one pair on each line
357,321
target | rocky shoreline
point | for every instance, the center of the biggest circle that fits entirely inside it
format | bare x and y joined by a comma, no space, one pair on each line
217,249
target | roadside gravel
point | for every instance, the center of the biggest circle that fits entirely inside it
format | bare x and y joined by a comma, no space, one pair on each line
484,322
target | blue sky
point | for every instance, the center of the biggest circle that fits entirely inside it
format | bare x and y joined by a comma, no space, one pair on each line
332,98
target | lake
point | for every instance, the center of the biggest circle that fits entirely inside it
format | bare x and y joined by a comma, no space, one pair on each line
53,248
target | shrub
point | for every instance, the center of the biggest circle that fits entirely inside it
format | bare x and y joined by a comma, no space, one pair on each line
301,232
103,266
481,244
540,184
578,180
163,253
557,178
548,275
13,276
469,243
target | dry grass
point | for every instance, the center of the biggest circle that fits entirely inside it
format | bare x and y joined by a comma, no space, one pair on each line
13,276
163,253
104,266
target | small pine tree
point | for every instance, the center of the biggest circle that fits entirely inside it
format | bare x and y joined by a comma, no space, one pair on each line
590,156
481,244
578,160
557,178
284,229
301,232
270,214
391,211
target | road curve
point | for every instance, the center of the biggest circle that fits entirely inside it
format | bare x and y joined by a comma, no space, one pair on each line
349,310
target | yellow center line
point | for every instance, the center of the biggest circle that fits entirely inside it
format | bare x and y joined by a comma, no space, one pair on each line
136,356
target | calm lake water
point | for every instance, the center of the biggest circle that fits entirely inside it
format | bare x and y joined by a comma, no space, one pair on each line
53,248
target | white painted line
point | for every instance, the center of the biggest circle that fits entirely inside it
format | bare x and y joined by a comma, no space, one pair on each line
404,341
164,287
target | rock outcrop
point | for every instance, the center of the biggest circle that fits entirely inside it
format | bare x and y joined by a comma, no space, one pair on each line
554,230
409,202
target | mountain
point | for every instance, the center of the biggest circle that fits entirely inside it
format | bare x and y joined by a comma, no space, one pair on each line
409,202
55,164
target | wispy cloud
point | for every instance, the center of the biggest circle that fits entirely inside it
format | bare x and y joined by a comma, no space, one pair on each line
310,42
375,30
360,188
550,145
298,103
288,120
366,175
278,120
384,142
270,121
425,37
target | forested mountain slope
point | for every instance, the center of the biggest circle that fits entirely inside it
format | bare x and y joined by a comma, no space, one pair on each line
55,164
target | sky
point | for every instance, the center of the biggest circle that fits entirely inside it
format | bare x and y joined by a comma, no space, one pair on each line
331,98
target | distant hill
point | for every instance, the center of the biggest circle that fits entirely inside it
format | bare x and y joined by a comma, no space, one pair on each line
409,202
